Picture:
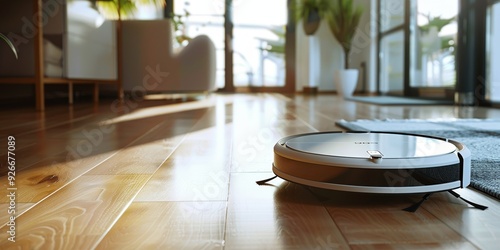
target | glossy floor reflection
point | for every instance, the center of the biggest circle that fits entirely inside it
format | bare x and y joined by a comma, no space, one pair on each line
181,175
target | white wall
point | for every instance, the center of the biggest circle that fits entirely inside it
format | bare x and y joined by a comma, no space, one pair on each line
364,48
331,54
330,58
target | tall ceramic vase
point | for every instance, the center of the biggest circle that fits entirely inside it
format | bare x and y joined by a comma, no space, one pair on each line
346,81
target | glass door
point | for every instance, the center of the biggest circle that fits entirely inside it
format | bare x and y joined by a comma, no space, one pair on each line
249,37
417,41
391,72
202,17
493,54
259,28
433,26
392,63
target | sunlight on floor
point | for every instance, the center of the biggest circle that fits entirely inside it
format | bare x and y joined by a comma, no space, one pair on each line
168,109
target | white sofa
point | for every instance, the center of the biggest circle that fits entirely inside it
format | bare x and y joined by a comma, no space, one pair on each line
150,61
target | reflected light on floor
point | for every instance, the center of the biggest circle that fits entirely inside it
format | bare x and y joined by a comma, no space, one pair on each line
166,109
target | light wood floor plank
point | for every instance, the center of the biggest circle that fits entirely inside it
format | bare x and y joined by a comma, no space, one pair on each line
44,178
279,216
480,227
181,175
78,215
378,219
18,208
418,246
387,226
169,225
144,155
181,181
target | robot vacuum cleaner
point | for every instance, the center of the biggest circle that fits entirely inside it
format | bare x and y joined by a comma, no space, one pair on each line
373,162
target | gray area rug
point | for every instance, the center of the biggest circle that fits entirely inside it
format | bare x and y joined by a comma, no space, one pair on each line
394,100
482,137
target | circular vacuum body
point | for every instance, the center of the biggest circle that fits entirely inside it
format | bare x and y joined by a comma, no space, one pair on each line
373,162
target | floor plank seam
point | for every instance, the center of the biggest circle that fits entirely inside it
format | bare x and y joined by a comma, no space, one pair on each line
84,173
450,227
138,191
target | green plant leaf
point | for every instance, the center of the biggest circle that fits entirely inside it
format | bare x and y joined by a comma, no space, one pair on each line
109,8
343,19
302,8
7,40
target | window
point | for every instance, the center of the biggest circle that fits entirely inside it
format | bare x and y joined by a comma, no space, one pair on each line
493,54
249,38
433,35
391,73
417,41
392,62
392,14
201,17
259,43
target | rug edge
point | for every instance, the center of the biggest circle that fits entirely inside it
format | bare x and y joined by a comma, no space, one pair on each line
475,184
349,126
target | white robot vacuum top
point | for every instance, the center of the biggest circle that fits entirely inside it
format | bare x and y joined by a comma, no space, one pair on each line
373,162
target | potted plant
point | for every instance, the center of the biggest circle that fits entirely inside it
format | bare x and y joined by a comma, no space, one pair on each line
6,39
343,20
109,8
311,12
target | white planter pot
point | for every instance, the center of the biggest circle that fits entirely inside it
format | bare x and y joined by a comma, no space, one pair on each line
346,81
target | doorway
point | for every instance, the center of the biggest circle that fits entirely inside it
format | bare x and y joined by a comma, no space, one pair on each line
493,54
417,45
250,38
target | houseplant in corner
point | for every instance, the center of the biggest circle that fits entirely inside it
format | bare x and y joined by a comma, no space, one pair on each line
343,20
311,12
109,8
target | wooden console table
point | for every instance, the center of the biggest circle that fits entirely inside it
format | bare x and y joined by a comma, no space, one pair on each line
40,80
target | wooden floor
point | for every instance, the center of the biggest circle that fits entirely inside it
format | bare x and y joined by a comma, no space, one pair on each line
162,175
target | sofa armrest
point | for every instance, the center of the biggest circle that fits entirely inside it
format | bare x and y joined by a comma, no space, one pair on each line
198,65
